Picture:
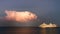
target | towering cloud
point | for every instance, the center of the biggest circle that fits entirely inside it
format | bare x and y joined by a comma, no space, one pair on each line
21,16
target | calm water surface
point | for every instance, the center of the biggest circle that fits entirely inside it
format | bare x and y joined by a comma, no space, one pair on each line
28,30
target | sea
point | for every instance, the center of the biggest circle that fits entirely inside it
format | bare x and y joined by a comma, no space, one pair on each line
29,30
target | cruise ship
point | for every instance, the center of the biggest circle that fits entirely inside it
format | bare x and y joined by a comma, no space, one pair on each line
44,25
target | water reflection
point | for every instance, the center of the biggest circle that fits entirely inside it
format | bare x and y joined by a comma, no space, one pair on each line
48,31
27,30
43,31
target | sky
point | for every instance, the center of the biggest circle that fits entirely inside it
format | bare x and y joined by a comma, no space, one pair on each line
43,8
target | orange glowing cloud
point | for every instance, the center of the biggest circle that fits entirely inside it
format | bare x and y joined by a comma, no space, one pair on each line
24,16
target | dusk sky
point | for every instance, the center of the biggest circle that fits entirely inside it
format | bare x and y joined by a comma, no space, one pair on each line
43,8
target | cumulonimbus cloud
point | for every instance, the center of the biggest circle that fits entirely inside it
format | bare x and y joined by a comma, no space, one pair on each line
21,16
